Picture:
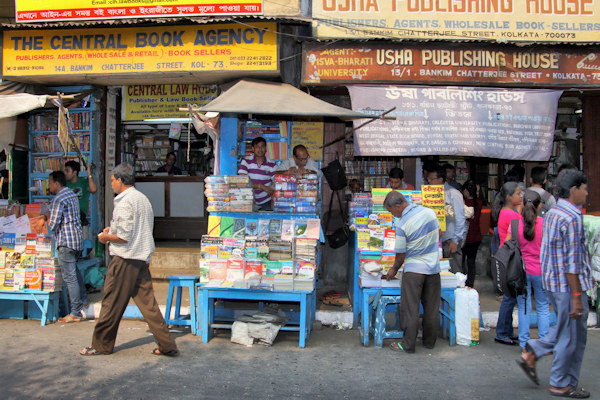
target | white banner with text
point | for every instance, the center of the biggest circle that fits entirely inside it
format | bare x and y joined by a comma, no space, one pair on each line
515,124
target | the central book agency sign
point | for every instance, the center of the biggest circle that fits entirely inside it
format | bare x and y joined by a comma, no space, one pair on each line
231,47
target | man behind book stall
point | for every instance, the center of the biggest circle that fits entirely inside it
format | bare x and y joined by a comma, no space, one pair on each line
261,171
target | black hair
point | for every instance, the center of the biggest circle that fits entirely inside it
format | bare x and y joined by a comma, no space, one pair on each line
449,166
396,173
470,187
298,147
508,189
440,172
171,153
538,175
567,179
511,176
74,165
258,140
429,166
566,166
519,171
531,202
59,176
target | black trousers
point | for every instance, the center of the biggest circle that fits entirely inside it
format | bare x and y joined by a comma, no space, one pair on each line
417,289
470,254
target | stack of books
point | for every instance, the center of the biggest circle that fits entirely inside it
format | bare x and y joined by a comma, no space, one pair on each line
285,193
216,191
280,250
241,194
307,190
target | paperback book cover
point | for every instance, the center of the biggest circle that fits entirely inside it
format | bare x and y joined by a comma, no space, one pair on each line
376,238
235,270
214,225
287,230
239,228
273,268
263,228
227,226
254,270
204,272
313,228
217,269
275,229
251,227
389,240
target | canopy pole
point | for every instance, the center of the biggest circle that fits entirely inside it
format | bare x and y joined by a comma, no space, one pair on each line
360,126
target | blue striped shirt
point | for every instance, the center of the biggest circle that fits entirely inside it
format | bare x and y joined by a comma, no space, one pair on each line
417,235
65,220
563,248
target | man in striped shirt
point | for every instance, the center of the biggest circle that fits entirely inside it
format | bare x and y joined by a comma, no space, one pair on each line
566,274
128,276
261,171
65,223
417,243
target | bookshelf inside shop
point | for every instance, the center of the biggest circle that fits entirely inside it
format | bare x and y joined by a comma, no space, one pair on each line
371,172
48,154
276,134
151,152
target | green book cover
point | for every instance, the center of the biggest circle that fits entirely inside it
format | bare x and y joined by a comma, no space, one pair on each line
227,226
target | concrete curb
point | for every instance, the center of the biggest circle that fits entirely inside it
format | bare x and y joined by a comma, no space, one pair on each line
342,319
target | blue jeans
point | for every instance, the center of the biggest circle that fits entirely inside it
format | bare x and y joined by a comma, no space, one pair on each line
73,279
504,328
541,308
566,339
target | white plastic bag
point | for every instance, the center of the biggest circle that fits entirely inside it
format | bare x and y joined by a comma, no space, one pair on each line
467,316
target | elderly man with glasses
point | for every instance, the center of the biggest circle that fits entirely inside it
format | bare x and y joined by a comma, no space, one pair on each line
300,163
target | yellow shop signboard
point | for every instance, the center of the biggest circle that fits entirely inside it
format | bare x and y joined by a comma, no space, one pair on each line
228,47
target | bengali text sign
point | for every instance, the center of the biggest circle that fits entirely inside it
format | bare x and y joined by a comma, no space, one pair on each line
390,62
231,47
73,10
433,197
163,101
516,124
491,20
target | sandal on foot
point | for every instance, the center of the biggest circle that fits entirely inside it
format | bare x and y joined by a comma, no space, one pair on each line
529,371
572,393
507,342
172,353
68,319
89,351
397,346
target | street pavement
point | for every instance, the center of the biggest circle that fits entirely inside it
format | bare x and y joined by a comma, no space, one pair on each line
42,362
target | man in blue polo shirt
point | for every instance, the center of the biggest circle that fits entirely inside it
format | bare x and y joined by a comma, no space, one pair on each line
417,243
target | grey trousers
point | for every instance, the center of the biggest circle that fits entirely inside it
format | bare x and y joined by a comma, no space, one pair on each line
417,289
566,339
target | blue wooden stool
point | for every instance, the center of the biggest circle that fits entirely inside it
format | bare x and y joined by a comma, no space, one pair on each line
379,329
176,284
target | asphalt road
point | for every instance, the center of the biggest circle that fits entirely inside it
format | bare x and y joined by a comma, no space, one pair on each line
43,362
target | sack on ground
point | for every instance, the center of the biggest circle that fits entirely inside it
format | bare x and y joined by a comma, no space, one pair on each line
508,268
467,316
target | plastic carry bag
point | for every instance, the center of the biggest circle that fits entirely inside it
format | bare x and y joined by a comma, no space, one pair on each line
467,316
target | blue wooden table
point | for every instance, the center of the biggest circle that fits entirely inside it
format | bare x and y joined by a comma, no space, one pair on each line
447,311
207,296
47,303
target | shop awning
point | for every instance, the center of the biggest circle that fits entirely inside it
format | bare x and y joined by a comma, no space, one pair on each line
272,98
12,105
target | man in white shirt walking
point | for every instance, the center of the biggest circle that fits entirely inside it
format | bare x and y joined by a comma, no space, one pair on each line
128,276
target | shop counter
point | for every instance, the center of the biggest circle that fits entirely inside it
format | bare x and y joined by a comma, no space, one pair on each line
206,313
178,204
46,302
